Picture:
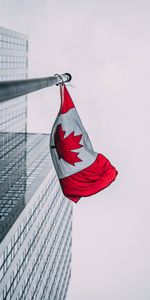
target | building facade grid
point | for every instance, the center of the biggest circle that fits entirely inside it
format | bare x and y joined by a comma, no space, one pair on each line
35,217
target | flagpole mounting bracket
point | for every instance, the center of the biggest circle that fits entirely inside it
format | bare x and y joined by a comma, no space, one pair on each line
64,78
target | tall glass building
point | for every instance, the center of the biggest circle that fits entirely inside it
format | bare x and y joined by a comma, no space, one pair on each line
35,217
13,113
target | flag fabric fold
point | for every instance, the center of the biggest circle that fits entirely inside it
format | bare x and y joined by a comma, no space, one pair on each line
81,171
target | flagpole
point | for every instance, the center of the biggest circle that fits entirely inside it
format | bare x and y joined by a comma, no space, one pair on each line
15,88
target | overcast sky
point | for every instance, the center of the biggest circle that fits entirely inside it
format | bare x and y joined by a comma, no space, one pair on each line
105,45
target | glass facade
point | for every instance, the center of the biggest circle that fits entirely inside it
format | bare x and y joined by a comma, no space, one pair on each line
35,217
13,65
26,166
13,55
36,230
12,40
13,115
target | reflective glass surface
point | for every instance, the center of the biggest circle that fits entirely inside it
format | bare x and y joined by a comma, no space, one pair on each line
37,255
11,41
13,65
22,164
13,115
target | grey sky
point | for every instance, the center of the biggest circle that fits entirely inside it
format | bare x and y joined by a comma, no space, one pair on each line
105,45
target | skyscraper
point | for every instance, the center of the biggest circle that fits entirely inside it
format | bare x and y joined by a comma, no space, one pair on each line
13,114
35,217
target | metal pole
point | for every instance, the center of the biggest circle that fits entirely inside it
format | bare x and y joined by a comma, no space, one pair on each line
15,88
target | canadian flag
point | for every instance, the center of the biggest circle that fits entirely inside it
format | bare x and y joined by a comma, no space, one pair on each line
81,171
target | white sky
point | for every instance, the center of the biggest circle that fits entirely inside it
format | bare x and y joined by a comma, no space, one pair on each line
105,45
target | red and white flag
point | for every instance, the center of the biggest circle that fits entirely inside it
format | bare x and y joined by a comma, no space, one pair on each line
81,171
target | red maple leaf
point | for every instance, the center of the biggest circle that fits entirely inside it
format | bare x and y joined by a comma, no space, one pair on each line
64,146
